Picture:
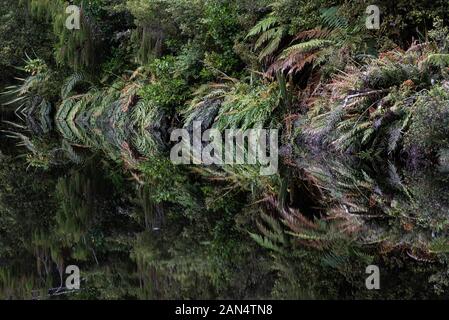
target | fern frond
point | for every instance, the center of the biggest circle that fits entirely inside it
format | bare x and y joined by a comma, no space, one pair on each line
70,83
316,33
262,26
438,59
394,135
333,260
332,19
439,245
305,47
276,38
266,243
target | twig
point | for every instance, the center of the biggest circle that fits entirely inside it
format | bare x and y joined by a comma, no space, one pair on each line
366,93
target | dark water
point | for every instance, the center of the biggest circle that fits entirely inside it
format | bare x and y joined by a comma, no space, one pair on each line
101,196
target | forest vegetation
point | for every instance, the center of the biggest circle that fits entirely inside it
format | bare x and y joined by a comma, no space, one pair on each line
363,117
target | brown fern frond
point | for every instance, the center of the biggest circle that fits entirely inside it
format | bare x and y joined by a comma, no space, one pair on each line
297,66
295,220
293,63
311,34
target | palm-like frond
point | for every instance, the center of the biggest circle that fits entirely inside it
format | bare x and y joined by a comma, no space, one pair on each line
303,47
270,35
262,26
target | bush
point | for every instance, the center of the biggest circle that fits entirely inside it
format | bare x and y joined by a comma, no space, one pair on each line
429,130
168,89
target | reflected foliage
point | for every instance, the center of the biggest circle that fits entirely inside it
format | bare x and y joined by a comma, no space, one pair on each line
86,178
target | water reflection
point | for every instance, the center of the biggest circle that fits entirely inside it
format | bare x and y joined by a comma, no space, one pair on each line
139,227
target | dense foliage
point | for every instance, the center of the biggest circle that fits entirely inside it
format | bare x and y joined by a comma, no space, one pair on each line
104,195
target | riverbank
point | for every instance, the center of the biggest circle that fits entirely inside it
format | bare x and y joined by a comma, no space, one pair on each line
361,115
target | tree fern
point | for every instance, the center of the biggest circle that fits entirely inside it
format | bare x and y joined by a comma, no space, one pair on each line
305,47
316,46
269,34
238,104
263,25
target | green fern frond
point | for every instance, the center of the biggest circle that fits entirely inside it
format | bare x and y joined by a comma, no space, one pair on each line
264,37
270,36
264,242
70,83
262,26
394,135
332,19
333,260
439,245
307,235
275,231
438,59
306,47
273,45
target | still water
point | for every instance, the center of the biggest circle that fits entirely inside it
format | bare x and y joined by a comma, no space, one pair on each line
104,198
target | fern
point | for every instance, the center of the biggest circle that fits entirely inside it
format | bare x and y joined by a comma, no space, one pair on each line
439,245
332,19
277,233
307,235
71,82
305,47
248,106
317,33
266,243
294,58
273,45
334,261
317,46
438,59
269,36
394,136
262,26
